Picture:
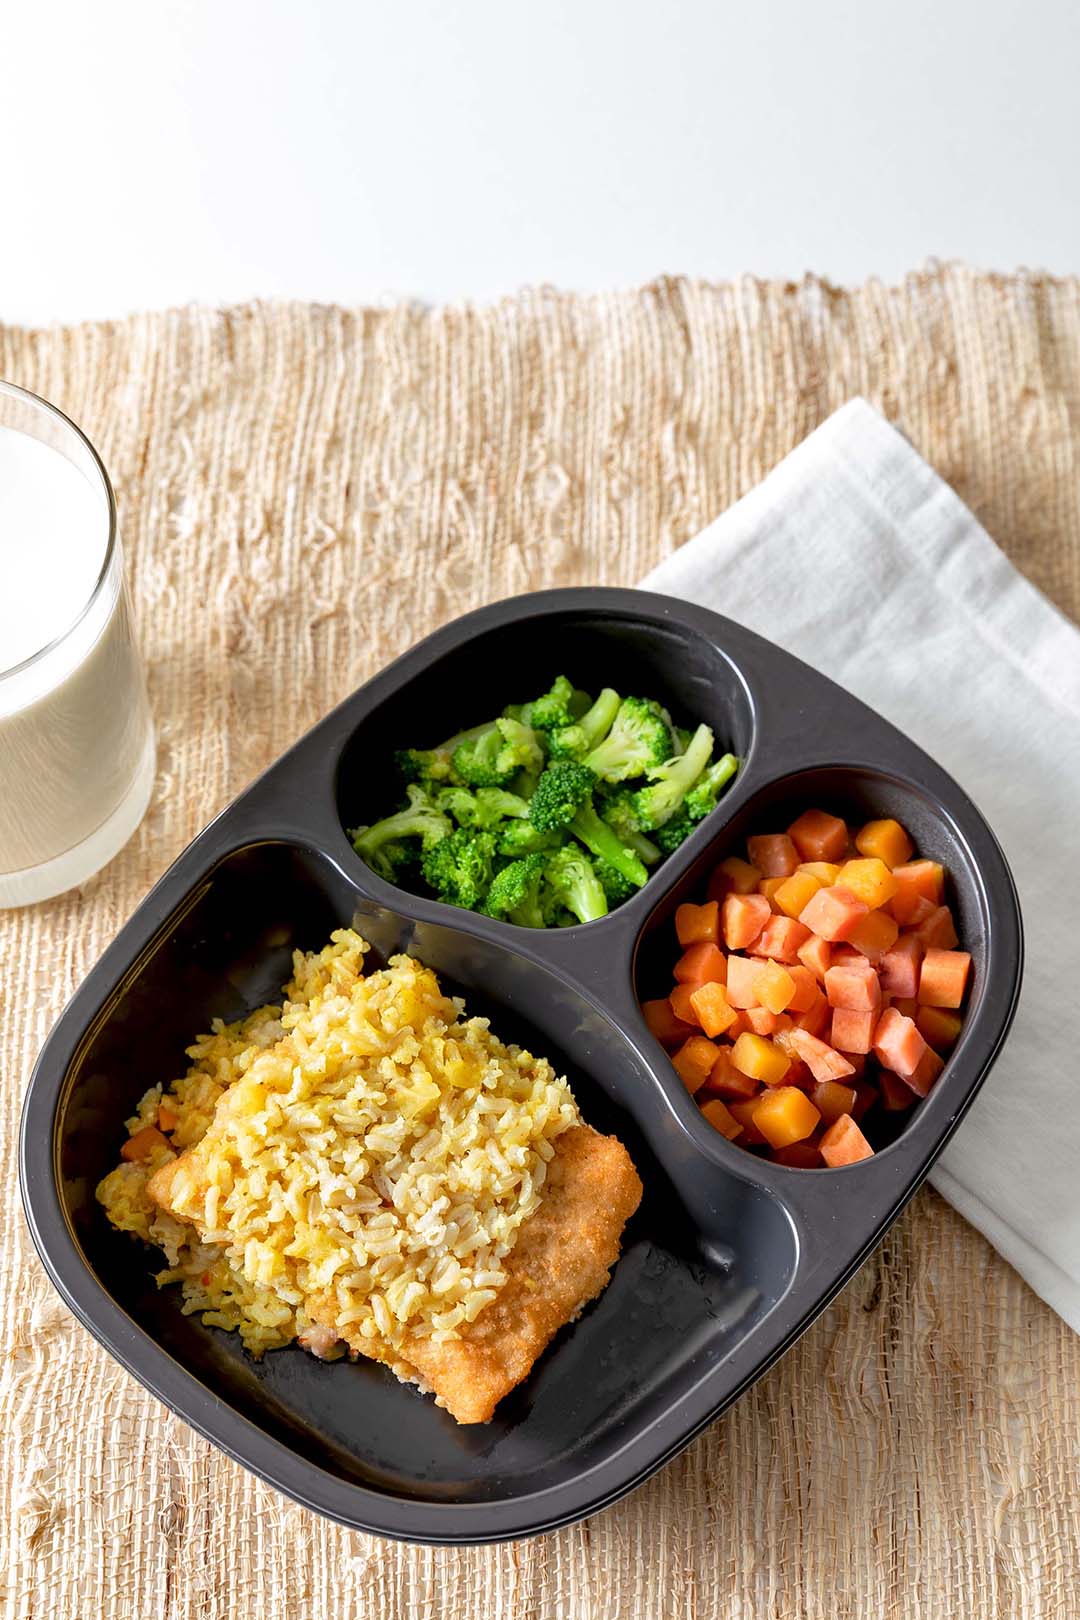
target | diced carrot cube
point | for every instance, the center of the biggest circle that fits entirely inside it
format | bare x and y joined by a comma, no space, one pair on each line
693,1062
940,1028
869,879
799,1075
775,987
916,881
764,1022
875,935
823,1062
733,876
914,911
694,924
925,1072
798,1155
664,1023
899,968
773,854
143,1144
818,836
794,892
897,1043
826,872
744,1113
943,979
759,1058
896,1094
741,1024
844,1143
907,1005
785,1115
852,1031
886,840
681,1003
742,977
854,985
742,918
816,955
714,1011
806,990
815,1020
702,963
167,1117
831,1099
939,930
720,1118
726,1081
833,913
768,887
780,938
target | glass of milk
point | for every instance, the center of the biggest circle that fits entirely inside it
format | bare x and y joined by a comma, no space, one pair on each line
76,738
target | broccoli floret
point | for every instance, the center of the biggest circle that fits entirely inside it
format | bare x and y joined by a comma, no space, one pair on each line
517,838
620,813
459,867
705,792
515,892
559,707
616,887
669,783
673,832
379,844
574,884
575,741
497,753
435,765
563,799
639,739
481,807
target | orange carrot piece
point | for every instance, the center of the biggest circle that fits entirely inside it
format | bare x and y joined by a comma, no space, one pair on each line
818,836
664,1023
875,935
773,854
681,1003
899,966
728,1082
780,938
897,1043
733,876
844,1143
869,879
925,1072
833,913
693,1062
714,1011
938,1026
775,987
943,979
743,1111
720,1118
806,990
742,918
916,881
798,1155
702,963
896,1094
939,930
764,1022
831,1099
854,985
742,981
785,1115
141,1146
887,840
853,1031
167,1117
816,954
759,1058
696,924
815,1020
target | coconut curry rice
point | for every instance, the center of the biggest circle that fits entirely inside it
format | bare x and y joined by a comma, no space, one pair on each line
365,1169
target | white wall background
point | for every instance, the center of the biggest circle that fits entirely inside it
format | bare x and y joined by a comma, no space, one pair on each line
158,151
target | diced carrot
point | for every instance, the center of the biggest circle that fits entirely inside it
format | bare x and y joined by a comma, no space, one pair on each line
742,917
741,1024
798,1155
773,854
896,1094
167,1117
758,1057
702,963
694,924
693,1062
886,840
907,1005
852,1031
940,1028
844,1143
943,979
916,880
785,1115
826,872
726,1081
714,1011
663,1022
854,985
799,1075
733,876
875,935
831,1099
780,938
939,930
869,879
900,966
865,1096
915,910
764,1022
806,990
816,1019
843,953
775,987
818,836
144,1143
720,1118
742,977
744,1113
824,1063
768,887
833,913
897,1043
794,892
816,954
925,1072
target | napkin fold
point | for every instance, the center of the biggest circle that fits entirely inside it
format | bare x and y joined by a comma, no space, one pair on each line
857,557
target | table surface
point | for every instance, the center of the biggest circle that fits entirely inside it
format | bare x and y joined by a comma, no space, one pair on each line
190,150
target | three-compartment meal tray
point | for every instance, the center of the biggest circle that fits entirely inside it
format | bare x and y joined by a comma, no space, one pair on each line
728,1259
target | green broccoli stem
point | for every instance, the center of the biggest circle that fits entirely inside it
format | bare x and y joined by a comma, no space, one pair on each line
643,847
598,720
603,842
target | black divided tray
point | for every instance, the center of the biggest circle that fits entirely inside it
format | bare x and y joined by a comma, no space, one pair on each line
729,1258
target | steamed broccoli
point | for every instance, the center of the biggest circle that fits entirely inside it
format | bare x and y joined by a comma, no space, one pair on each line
481,807
673,832
380,844
669,783
515,892
517,838
561,706
497,752
563,800
705,792
639,739
574,884
575,741
459,867
616,888
619,812
434,765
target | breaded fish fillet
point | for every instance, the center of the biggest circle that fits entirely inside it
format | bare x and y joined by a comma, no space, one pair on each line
562,1260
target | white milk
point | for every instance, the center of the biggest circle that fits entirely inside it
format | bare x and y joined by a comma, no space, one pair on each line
76,742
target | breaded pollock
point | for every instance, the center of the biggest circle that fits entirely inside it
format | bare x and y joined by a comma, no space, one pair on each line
562,1260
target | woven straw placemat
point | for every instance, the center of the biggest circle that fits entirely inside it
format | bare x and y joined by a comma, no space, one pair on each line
304,492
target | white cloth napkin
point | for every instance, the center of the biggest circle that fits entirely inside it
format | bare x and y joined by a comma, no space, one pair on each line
892,588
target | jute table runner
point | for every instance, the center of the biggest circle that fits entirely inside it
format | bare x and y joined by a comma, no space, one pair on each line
303,493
